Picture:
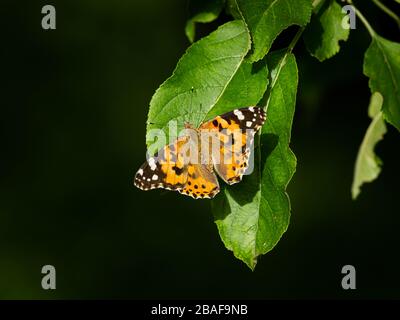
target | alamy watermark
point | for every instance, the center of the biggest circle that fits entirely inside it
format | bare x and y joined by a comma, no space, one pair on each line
349,280
49,18
49,278
349,20
201,146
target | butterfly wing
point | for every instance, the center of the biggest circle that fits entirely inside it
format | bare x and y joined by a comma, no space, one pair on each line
235,132
201,182
167,169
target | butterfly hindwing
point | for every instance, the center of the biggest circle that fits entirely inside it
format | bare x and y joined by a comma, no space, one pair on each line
201,182
235,131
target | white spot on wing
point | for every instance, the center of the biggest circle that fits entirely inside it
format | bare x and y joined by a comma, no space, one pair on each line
155,177
152,164
140,172
248,124
251,109
239,114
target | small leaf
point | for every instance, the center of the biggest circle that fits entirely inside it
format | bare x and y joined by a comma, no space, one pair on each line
266,19
252,215
200,78
382,66
368,165
323,34
202,11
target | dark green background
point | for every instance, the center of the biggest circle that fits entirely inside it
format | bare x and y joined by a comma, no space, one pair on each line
73,110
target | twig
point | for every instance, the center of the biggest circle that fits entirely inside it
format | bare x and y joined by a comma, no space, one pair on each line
387,11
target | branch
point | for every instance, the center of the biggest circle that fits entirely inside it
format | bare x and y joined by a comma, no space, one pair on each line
387,11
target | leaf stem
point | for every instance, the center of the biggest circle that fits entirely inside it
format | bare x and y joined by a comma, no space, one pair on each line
289,49
274,77
387,11
295,39
363,19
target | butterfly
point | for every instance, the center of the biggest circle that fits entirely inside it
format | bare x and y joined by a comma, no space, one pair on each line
219,146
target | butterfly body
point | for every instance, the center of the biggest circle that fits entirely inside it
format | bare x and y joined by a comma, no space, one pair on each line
189,164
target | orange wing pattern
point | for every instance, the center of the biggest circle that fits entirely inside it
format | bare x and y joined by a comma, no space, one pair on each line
228,152
167,169
235,133
201,183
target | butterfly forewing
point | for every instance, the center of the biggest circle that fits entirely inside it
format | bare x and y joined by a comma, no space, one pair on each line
167,169
236,132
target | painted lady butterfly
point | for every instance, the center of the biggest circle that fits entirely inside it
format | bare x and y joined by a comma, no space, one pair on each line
178,167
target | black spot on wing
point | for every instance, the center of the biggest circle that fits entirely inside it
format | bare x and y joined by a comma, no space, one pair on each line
199,194
177,170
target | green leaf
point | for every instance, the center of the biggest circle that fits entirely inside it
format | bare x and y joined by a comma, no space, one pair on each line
246,88
325,30
266,19
200,79
382,66
368,165
252,215
202,11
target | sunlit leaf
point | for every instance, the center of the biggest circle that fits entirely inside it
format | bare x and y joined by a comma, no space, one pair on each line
200,78
252,215
382,66
266,19
368,165
325,30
